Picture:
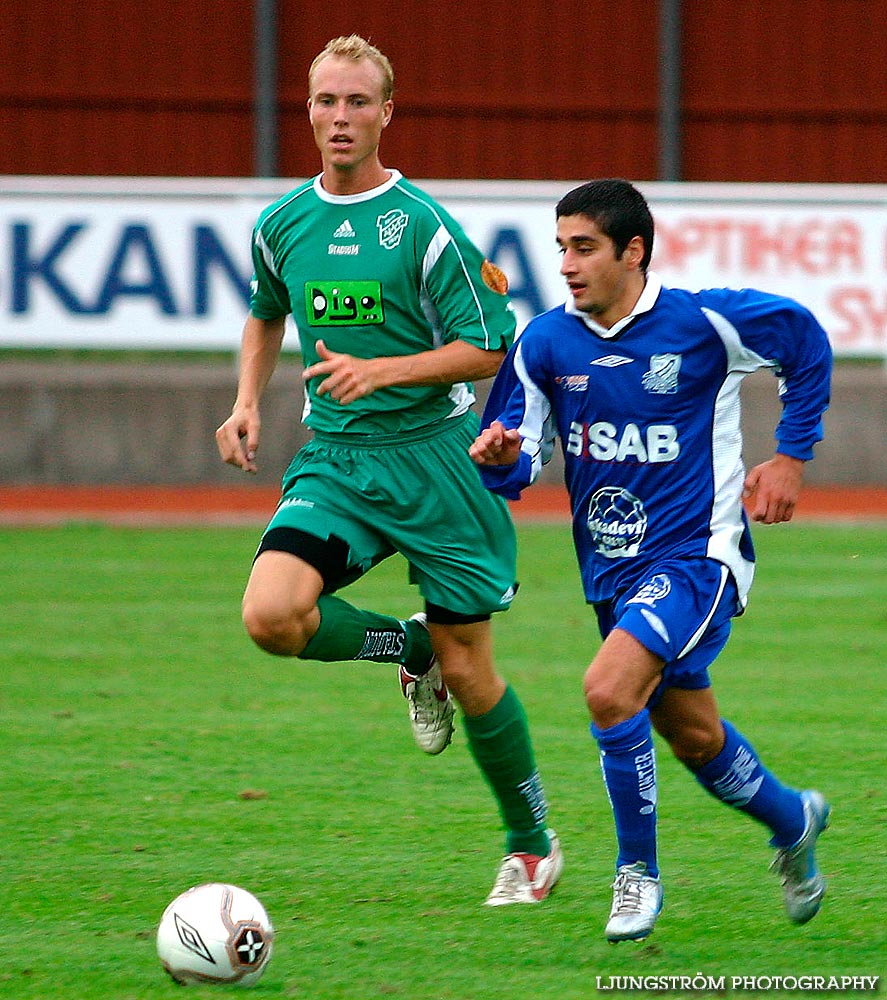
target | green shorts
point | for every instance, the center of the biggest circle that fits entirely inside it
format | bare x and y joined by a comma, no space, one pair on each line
418,494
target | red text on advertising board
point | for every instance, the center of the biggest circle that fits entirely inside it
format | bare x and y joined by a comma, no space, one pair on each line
810,246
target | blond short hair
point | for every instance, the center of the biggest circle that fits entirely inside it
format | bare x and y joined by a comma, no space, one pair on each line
355,47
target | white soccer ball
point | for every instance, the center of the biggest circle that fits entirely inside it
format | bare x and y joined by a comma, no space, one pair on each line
215,933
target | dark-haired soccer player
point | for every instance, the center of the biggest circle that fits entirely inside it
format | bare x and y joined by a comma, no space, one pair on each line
641,384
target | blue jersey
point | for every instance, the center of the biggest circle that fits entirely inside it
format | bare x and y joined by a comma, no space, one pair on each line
648,416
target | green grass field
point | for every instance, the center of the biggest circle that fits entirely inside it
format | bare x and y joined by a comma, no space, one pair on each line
136,714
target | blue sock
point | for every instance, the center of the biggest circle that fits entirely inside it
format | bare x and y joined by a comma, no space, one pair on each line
628,762
738,778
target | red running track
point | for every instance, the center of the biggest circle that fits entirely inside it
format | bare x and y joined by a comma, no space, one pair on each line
158,505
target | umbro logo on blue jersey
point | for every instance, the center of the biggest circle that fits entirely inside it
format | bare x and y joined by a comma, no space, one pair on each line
612,361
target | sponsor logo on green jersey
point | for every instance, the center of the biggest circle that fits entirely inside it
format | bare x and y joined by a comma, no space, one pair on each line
343,303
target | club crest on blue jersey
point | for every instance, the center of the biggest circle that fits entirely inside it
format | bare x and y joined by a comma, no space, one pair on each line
391,228
662,375
617,522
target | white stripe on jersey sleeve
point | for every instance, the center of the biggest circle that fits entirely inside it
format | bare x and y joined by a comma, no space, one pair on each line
265,251
726,448
439,242
461,395
537,428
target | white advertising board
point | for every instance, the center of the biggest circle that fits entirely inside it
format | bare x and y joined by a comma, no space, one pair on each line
164,263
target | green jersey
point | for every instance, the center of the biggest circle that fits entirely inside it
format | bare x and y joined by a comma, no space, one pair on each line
383,273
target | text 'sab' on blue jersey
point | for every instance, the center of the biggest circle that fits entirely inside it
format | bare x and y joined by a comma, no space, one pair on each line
648,415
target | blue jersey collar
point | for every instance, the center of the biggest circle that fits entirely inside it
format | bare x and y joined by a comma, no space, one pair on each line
645,303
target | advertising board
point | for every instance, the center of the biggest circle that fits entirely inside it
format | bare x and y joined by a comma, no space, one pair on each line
164,263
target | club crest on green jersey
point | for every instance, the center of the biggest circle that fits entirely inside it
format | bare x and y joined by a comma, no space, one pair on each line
343,303
391,228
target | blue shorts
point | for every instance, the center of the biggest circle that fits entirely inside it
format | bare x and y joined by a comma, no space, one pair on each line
681,611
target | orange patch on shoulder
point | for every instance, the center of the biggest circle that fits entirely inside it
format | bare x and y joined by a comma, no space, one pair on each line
494,277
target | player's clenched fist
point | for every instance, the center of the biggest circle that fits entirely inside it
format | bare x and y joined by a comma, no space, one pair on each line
347,378
238,439
496,445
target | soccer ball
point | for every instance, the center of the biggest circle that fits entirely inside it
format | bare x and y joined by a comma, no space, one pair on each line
215,933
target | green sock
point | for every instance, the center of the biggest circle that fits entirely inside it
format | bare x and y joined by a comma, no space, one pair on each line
500,743
348,633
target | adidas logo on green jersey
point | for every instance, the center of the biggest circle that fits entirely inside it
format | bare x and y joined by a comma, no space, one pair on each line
345,231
